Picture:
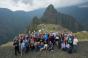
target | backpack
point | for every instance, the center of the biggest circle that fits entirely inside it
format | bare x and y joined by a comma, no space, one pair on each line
69,40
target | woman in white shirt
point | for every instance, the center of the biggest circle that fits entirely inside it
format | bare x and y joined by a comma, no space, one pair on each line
75,44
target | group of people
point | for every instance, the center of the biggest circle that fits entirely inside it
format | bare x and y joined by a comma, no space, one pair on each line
36,41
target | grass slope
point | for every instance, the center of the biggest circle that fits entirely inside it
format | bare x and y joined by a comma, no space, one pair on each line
82,35
51,28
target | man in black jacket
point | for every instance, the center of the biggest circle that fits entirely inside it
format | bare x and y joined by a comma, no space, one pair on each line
16,46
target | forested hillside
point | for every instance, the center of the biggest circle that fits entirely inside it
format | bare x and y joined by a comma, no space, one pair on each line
52,16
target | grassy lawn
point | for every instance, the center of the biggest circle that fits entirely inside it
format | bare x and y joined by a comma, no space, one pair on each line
82,35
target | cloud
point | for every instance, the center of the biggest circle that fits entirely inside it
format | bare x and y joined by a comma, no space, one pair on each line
24,1
29,5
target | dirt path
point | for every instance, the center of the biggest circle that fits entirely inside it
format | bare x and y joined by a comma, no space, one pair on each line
8,52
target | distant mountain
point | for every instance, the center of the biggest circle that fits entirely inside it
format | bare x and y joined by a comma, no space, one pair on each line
52,16
11,23
80,12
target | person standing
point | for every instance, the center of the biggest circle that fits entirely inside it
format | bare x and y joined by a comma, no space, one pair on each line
70,42
16,45
75,44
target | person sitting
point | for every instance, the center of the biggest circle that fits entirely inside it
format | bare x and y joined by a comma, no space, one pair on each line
41,46
45,46
50,47
67,47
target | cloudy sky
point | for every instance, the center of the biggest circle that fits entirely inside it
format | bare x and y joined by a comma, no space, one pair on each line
29,5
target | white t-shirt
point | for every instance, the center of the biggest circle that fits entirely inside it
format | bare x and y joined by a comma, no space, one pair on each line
67,46
63,45
75,41
57,37
46,45
22,45
54,34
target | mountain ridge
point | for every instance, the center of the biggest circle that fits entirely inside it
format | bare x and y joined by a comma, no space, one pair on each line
9,25
52,16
